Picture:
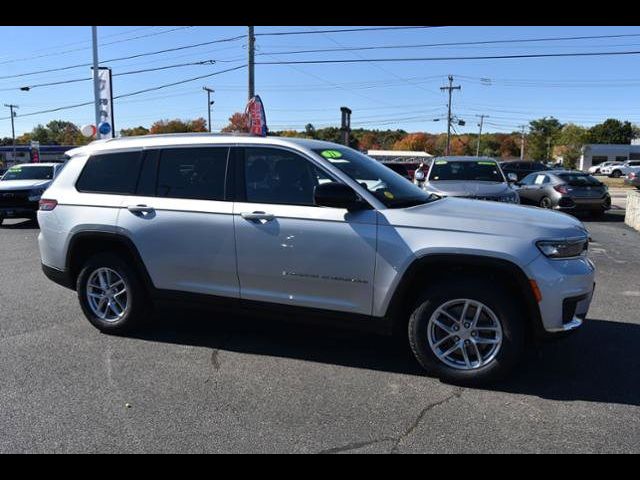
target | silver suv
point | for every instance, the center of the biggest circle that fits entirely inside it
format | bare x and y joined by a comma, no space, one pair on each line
313,230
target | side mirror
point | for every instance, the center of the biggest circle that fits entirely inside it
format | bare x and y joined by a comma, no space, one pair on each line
512,177
337,195
419,176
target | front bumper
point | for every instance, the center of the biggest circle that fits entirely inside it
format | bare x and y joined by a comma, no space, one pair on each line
567,288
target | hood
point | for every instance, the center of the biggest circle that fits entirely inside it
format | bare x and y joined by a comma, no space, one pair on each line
455,188
491,218
23,184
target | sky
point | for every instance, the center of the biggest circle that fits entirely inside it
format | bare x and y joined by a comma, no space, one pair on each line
385,95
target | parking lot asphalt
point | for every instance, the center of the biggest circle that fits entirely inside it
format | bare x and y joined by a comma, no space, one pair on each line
206,382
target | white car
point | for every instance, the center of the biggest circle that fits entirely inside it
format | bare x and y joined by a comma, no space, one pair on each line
617,171
311,230
597,169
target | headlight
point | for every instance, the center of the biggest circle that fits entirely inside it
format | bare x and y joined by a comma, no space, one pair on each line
564,248
35,194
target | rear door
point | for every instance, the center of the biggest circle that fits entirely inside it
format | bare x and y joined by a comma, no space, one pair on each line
180,219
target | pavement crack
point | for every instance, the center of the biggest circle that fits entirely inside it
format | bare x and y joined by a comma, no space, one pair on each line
456,394
397,439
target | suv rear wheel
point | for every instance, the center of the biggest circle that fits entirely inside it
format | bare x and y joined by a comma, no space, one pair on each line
616,174
466,332
111,294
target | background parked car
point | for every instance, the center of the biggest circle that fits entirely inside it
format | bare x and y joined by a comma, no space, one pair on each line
596,169
565,190
617,171
633,177
522,168
403,168
470,177
2,171
22,186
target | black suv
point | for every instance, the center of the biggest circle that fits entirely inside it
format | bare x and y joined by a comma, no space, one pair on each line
522,168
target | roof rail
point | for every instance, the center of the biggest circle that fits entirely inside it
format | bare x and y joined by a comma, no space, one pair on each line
186,134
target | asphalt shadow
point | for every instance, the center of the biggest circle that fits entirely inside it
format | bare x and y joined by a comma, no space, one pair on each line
598,363
25,224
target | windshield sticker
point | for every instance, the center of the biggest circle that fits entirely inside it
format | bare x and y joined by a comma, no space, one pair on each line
389,195
331,154
441,162
486,163
15,169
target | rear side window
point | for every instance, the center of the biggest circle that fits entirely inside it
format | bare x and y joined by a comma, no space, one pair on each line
115,173
192,173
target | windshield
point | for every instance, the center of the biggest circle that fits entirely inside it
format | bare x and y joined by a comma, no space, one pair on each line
479,171
579,180
28,173
391,189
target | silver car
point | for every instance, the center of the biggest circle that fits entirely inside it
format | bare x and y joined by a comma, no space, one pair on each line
310,230
479,178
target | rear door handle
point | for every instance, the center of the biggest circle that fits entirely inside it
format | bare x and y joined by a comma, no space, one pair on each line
140,209
255,216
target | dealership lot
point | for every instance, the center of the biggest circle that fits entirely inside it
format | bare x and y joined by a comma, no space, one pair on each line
203,382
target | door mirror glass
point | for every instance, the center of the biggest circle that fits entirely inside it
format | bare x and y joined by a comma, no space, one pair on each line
337,195
512,177
419,176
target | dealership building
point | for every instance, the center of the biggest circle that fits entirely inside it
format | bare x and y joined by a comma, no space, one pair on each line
595,154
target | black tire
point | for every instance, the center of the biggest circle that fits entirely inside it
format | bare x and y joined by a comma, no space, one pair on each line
1,219
545,202
616,174
497,299
138,307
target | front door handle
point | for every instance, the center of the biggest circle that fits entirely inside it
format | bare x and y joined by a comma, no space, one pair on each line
140,209
257,216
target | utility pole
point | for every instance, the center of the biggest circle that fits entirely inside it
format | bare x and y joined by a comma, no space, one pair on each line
482,117
13,130
346,124
548,148
96,81
251,63
522,127
450,88
209,103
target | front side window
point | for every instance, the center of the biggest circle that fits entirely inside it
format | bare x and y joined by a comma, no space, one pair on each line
478,171
192,173
115,173
28,173
280,177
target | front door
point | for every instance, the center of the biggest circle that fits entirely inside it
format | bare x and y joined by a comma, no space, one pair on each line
292,252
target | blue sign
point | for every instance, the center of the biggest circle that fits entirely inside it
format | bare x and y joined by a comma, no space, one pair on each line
104,128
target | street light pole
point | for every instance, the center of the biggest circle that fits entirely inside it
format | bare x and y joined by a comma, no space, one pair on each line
251,63
209,103
13,130
482,117
96,81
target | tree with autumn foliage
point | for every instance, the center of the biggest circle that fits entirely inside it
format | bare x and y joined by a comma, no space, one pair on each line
238,122
179,126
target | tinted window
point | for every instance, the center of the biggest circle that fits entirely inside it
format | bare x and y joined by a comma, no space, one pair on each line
29,173
148,174
480,171
193,173
281,177
528,180
578,179
537,167
111,173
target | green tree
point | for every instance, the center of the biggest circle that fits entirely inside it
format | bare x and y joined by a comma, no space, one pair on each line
237,123
542,137
134,132
611,131
570,142
179,126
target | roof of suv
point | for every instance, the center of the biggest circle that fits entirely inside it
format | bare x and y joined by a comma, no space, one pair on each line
196,139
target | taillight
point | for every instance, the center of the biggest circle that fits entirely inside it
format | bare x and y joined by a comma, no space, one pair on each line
632,175
47,205
563,189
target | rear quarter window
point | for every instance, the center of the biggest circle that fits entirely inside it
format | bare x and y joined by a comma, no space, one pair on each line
115,173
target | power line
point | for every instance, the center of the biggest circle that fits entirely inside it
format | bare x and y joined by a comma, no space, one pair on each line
449,44
132,72
64,52
157,52
343,30
429,59
130,94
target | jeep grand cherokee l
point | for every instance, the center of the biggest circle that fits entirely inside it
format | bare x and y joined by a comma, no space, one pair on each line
313,230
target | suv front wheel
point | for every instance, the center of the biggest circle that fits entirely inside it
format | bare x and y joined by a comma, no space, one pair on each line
111,294
465,332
